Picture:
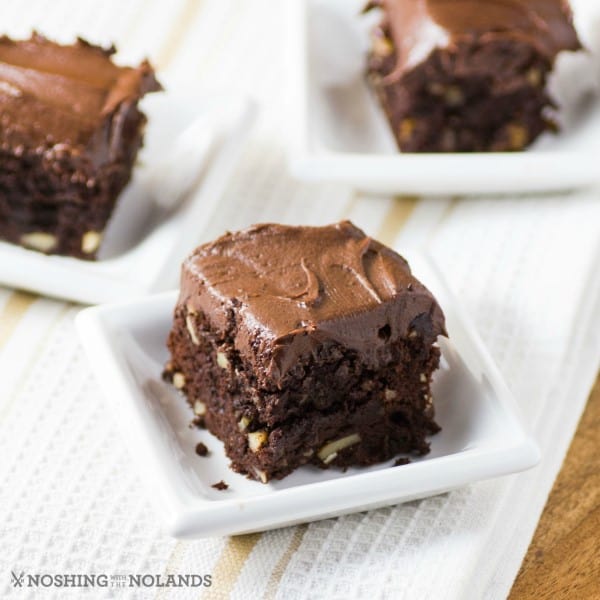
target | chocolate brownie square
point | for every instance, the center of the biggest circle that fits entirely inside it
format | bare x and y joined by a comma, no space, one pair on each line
469,75
70,130
299,345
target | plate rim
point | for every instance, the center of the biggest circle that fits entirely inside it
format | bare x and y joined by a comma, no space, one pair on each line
395,173
185,514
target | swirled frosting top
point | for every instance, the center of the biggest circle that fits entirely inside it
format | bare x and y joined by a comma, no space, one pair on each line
63,94
418,26
281,291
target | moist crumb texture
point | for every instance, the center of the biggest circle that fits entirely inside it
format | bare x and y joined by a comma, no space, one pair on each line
70,130
469,76
306,345
201,449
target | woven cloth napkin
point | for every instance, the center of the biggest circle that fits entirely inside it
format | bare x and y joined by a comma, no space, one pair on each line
526,269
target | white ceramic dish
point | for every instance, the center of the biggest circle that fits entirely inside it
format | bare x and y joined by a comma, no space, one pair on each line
191,145
481,437
339,133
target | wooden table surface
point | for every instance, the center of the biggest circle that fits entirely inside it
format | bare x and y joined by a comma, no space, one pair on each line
563,561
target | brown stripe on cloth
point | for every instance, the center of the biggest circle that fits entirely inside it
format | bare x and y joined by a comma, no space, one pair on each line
13,311
185,20
284,561
397,216
229,565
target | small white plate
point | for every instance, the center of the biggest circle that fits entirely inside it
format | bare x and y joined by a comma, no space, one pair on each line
192,143
481,435
340,134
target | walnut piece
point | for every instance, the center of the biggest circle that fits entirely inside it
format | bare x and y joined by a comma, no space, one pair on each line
39,240
189,321
222,360
330,450
199,408
90,242
243,423
390,394
257,439
178,380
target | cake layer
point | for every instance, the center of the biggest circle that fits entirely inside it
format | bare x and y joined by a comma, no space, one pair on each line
334,375
268,435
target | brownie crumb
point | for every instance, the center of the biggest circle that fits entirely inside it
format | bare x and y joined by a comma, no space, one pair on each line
201,449
167,373
220,485
401,461
198,422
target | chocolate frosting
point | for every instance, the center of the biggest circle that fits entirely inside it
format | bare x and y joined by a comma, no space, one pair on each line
63,94
283,291
419,26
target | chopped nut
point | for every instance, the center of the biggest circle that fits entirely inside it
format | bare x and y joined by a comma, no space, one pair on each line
189,321
308,453
178,380
423,378
428,409
257,439
222,360
382,46
330,458
261,475
90,242
518,136
453,96
413,333
534,77
390,394
38,240
199,408
243,423
436,89
190,309
406,129
334,447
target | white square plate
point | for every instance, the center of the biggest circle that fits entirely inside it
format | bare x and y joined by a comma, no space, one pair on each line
339,133
192,143
481,435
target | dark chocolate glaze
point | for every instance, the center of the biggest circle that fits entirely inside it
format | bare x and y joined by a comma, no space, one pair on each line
70,96
419,26
290,290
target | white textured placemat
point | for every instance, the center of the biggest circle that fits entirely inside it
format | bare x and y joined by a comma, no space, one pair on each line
525,268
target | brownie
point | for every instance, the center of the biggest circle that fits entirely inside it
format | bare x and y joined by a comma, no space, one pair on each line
70,130
468,75
299,345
